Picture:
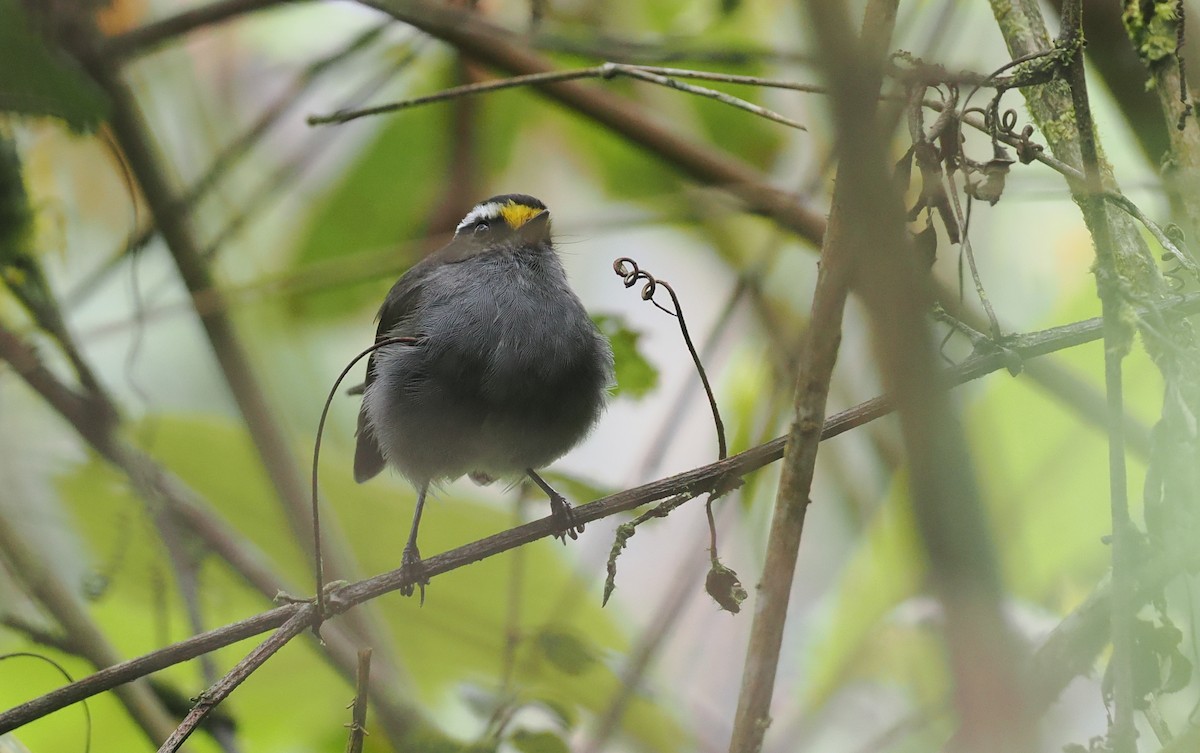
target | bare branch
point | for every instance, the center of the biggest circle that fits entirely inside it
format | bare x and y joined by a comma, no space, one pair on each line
695,481
818,358
209,700
605,71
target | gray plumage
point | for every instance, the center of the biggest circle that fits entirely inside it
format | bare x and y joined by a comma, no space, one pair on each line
509,373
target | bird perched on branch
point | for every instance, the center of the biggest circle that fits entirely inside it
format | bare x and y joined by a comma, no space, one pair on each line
503,374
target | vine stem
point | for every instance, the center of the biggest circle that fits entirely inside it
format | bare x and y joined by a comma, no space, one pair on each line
318,558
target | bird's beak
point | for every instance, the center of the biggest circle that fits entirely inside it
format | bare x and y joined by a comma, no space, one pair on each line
537,228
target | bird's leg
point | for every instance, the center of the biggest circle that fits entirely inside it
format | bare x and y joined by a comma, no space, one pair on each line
410,559
560,509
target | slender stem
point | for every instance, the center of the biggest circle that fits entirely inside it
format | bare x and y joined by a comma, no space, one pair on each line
818,358
358,715
318,555
605,71
1117,335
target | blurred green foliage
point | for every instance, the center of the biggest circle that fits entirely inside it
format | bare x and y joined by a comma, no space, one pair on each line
462,631
38,80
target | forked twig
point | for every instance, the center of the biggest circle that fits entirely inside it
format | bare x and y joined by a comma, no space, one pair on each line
661,76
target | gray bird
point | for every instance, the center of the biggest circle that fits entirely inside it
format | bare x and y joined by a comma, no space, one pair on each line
506,375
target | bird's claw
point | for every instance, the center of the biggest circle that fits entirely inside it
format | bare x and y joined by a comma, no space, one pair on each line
412,568
564,515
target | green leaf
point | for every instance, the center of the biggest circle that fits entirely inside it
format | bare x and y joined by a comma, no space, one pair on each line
758,140
625,171
566,651
37,80
538,742
636,376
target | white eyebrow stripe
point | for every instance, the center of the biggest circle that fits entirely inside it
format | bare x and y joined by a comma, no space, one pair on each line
487,211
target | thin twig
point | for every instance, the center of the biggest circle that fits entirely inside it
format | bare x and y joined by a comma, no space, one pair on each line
969,252
358,717
658,445
302,618
628,270
605,71
609,70
454,92
506,51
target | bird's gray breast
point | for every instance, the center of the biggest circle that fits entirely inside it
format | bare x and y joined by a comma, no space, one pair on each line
510,373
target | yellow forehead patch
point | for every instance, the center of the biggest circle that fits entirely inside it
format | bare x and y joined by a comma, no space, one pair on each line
517,215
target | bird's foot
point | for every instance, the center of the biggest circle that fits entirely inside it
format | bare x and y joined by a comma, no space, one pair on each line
412,568
564,515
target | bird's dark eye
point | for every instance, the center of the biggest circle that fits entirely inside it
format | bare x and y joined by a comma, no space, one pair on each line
481,228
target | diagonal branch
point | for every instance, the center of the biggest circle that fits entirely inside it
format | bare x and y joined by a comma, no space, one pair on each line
502,49
295,624
606,71
695,482
144,38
